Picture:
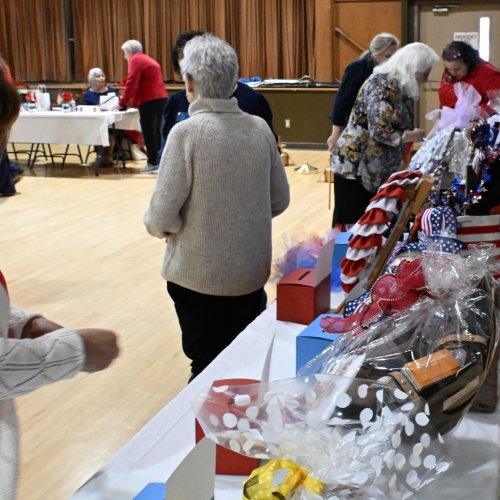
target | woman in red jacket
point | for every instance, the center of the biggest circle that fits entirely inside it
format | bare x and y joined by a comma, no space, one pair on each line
463,64
146,90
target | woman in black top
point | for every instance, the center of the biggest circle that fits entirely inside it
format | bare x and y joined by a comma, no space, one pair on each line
381,48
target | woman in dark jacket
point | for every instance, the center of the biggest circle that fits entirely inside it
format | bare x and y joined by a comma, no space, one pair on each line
382,47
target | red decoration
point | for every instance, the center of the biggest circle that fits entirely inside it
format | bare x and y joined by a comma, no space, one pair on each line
390,295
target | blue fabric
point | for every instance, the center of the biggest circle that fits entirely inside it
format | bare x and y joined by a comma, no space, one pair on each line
249,101
251,79
91,98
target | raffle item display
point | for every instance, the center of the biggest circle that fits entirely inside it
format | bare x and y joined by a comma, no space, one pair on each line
430,330
335,435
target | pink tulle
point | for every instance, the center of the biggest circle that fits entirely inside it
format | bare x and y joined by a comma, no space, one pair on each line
302,254
466,110
494,100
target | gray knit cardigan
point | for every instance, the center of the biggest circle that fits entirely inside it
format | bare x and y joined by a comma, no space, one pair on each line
220,183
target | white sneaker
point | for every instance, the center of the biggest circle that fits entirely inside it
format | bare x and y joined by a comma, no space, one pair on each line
149,169
136,153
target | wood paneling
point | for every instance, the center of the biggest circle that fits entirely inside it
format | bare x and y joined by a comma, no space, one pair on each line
361,21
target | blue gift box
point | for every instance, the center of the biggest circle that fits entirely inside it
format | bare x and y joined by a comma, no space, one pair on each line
152,491
339,252
312,340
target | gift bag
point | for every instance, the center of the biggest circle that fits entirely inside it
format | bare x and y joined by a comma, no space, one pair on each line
108,102
42,99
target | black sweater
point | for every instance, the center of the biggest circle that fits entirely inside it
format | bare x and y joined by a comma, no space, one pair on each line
354,76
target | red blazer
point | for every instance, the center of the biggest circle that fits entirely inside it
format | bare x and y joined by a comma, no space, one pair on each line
6,70
483,77
144,81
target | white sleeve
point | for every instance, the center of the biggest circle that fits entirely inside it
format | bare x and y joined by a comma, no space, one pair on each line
27,364
18,319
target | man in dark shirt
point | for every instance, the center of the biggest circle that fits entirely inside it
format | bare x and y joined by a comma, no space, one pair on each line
177,106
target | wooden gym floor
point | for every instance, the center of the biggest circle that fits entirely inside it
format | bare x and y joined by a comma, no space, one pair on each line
74,248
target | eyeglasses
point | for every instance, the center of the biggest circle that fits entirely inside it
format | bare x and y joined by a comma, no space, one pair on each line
451,55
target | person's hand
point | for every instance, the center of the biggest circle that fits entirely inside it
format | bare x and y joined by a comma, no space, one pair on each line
37,327
415,135
101,348
334,137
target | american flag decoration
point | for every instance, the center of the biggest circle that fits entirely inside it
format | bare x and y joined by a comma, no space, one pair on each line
474,229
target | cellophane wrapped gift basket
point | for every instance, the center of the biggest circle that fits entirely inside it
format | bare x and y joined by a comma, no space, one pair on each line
365,418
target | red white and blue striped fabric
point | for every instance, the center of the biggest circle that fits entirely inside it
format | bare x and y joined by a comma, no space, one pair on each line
479,229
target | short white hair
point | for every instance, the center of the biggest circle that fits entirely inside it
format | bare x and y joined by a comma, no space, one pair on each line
93,72
132,46
408,62
212,64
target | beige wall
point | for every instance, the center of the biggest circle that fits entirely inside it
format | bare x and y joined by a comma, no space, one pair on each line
437,30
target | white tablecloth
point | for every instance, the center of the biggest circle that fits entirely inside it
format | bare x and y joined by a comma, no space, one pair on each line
77,127
156,450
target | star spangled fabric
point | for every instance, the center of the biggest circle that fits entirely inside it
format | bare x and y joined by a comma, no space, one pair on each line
438,227
474,229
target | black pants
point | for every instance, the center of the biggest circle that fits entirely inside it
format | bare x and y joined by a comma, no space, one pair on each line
150,116
351,200
7,187
210,323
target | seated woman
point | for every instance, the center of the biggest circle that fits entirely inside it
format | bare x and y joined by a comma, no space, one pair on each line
97,87
463,64
91,97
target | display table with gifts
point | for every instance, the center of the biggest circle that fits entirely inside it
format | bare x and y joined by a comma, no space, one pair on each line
155,452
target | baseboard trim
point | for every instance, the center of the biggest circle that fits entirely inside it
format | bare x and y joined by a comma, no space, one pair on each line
305,145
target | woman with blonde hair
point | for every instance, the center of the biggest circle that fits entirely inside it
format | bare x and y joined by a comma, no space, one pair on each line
381,48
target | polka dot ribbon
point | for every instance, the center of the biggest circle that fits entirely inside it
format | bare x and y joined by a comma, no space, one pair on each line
259,485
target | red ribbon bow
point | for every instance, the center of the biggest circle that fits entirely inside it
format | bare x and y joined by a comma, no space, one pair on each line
390,295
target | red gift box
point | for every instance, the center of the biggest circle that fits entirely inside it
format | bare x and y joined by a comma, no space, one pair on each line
229,462
304,294
299,299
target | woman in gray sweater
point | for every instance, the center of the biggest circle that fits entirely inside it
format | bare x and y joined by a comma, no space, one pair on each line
220,183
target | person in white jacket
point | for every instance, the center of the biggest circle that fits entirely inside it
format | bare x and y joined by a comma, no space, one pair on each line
35,351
